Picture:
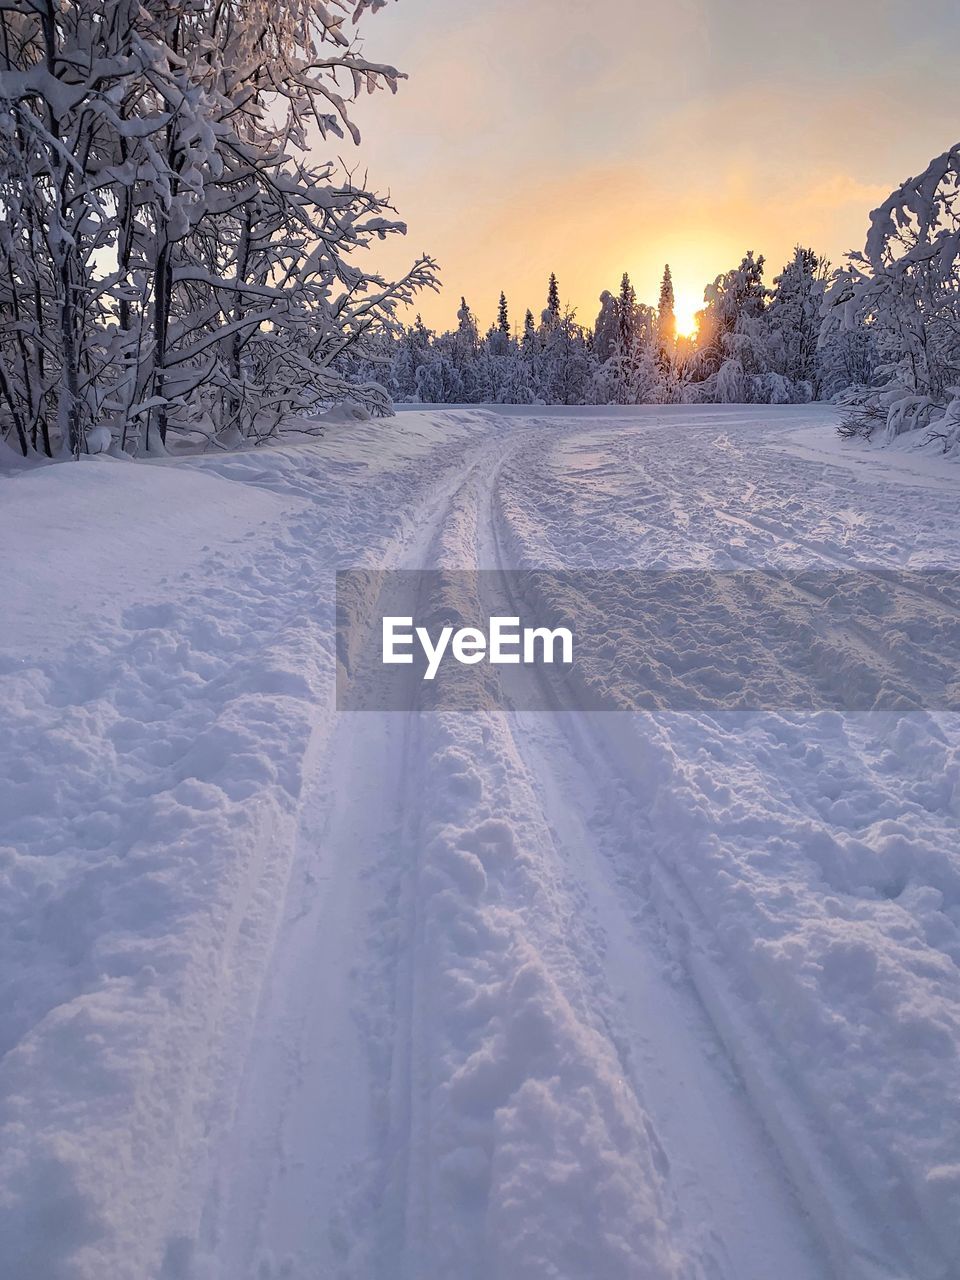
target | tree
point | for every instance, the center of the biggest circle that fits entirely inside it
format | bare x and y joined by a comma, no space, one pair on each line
795,318
626,315
553,297
732,301
529,330
847,352
631,366
439,381
171,257
466,340
503,318
666,315
563,370
904,287
731,329
406,353
606,330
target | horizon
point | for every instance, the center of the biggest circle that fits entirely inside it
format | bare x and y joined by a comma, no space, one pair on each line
793,126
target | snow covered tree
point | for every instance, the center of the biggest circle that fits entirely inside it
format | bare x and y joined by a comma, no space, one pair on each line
563,368
503,317
666,314
606,330
529,329
517,385
465,343
733,302
905,288
411,350
439,381
66,72
794,317
848,351
171,257
630,369
553,298
626,315
731,360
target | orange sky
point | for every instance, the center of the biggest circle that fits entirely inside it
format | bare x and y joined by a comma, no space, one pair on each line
590,140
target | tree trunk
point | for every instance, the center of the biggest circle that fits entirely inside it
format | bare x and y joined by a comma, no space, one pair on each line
65,254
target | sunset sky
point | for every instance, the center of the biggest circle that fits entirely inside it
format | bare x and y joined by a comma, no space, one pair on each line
595,138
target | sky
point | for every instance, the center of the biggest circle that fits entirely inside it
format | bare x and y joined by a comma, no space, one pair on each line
592,138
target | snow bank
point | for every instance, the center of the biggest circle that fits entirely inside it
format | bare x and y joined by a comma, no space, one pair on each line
153,727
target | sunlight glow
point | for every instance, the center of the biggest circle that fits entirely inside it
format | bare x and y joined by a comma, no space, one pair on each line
687,302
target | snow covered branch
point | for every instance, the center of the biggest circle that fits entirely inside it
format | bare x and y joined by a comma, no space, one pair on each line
172,258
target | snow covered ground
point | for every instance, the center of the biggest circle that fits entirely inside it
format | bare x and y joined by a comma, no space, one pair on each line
398,996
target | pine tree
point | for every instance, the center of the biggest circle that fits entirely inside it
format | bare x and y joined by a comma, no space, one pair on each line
553,297
626,314
666,315
465,318
464,344
503,318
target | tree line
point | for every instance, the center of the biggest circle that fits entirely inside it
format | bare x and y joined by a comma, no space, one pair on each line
880,334
753,344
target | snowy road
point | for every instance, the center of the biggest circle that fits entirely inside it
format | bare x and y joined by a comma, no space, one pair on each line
585,996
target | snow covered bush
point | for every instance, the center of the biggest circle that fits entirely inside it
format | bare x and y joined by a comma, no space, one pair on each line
172,258
730,383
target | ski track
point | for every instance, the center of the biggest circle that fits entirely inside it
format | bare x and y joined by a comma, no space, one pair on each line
586,996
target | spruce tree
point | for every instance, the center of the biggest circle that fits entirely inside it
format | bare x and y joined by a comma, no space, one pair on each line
553,297
626,314
666,315
503,318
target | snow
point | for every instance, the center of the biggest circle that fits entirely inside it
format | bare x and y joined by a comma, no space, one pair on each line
286,992
911,466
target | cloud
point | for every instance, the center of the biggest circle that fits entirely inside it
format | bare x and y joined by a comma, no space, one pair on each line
550,136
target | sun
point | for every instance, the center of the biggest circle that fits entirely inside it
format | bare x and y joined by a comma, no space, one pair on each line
686,304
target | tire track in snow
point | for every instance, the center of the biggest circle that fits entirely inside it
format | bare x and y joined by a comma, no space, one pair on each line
303,1177
515,1092
724,1175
